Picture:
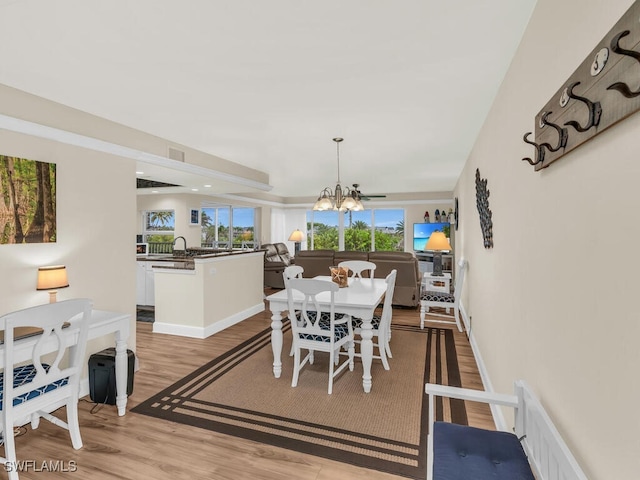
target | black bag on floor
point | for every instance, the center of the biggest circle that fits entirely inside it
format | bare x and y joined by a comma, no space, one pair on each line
102,375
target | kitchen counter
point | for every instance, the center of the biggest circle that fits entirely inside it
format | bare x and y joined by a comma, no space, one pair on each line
186,261
207,292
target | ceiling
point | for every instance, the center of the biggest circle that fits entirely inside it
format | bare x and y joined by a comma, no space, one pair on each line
268,84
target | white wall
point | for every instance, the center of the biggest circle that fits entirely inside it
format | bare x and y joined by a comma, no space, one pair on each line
95,194
553,301
284,222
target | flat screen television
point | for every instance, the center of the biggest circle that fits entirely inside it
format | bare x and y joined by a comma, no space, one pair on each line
422,232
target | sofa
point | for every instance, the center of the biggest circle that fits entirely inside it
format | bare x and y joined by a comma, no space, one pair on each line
276,259
407,290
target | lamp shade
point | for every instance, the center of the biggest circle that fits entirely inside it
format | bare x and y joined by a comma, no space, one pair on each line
52,277
296,236
437,241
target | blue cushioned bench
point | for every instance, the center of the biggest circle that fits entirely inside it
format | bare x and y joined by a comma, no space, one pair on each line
535,451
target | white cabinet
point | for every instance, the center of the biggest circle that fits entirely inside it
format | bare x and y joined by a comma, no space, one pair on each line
145,284
141,282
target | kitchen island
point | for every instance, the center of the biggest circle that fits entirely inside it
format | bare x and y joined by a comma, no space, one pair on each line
201,295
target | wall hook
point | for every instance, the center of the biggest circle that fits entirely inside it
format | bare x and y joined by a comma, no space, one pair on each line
539,150
563,134
595,110
622,87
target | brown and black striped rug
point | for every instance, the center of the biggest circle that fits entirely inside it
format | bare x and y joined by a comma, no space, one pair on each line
386,430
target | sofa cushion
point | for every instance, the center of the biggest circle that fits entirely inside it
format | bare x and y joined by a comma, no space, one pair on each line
463,453
347,255
315,262
283,253
270,253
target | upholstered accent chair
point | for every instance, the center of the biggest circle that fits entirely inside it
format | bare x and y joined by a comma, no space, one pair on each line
276,259
31,391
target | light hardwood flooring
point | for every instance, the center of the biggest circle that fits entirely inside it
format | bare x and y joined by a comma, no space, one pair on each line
137,447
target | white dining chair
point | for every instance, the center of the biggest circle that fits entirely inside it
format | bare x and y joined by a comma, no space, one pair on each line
292,271
31,391
318,328
429,299
381,324
358,267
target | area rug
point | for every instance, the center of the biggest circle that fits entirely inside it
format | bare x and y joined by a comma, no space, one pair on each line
386,429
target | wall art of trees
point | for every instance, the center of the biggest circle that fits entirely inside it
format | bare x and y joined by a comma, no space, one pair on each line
27,201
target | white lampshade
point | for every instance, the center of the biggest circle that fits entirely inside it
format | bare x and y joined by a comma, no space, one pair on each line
296,236
438,241
323,203
51,278
348,204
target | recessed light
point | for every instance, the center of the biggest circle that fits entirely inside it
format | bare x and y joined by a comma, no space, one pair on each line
194,189
139,173
207,186
154,191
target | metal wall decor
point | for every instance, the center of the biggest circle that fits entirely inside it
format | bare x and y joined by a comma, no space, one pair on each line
456,213
482,202
602,91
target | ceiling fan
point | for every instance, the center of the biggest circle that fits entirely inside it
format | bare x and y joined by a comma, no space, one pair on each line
341,198
362,196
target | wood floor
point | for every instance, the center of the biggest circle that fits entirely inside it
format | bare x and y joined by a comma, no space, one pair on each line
138,447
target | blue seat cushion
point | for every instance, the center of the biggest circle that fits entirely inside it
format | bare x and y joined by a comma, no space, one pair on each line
23,375
464,453
341,330
438,297
375,322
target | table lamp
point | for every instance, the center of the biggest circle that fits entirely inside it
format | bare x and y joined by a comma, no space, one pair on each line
296,236
51,278
438,242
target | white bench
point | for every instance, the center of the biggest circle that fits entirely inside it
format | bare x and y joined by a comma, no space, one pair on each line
547,455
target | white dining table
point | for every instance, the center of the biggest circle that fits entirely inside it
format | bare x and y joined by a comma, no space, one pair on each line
359,299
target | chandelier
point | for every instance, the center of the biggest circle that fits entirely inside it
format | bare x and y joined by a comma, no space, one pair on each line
339,198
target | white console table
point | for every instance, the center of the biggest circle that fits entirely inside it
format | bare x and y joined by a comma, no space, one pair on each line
101,323
435,283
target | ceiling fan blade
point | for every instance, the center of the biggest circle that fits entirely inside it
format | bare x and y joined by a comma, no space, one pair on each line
363,196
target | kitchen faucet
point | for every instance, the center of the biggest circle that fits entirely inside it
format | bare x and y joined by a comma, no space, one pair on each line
184,240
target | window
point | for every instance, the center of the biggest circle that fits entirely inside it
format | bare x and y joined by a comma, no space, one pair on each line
226,227
383,228
389,229
159,228
322,230
243,227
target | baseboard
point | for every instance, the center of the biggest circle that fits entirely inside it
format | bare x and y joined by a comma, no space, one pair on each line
204,332
496,411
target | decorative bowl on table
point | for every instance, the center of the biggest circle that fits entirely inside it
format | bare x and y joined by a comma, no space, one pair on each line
340,275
